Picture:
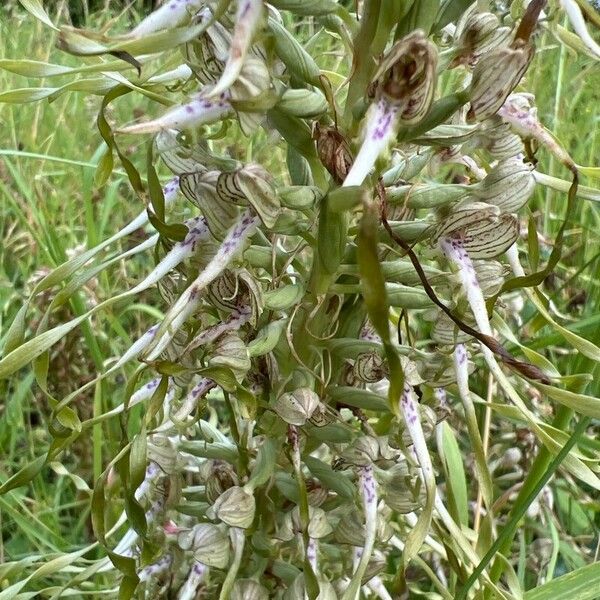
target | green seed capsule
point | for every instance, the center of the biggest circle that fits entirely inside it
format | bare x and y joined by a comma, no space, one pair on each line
403,296
479,33
293,55
303,103
494,78
509,186
284,297
407,168
266,339
298,167
299,197
428,195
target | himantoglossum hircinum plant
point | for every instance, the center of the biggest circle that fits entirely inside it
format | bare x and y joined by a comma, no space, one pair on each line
341,211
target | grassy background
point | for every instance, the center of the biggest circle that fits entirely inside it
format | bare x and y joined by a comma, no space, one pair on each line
50,208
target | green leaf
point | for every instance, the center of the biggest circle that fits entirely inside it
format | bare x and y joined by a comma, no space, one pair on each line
264,465
372,280
455,476
358,398
24,475
284,297
334,480
580,403
581,584
293,55
266,339
35,8
24,95
31,349
33,68
108,137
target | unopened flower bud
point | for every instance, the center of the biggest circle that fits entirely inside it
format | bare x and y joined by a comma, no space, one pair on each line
163,453
317,494
362,452
483,232
223,291
318,525
446,332
481,32
350,529
508,186
253,186
231,352
374,567
208,543
498,139
235,507
494,78
400,489
490,275
297,407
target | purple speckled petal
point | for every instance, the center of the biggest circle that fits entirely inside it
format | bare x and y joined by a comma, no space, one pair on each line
169,15
188,301
199,111
381,127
